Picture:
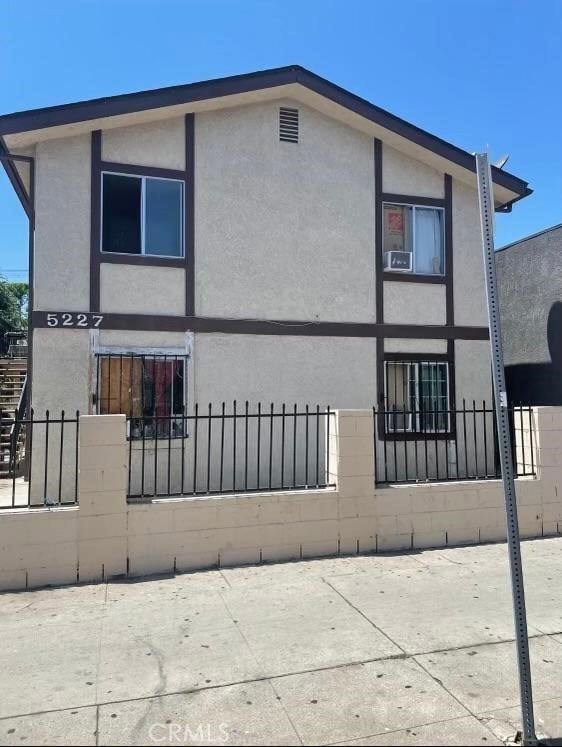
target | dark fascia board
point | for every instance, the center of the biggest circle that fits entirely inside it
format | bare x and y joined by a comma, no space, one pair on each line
15,179
53,116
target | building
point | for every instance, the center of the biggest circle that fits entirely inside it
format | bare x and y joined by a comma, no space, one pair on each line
530,283
264,237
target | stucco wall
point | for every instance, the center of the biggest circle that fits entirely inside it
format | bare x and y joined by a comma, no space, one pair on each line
530,283
142,290
404,175
283,230
469,282
398,345
334,371
159,144
473,371
414,303
62,233
61,370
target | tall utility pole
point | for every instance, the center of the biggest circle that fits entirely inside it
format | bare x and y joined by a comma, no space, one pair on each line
486,199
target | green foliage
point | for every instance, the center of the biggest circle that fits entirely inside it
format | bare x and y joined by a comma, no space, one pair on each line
13,306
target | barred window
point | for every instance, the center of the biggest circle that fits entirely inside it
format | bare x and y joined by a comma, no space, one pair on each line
417,396
149,389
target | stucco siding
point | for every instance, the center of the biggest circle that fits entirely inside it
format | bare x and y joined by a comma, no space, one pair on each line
530,291
530,283
397,345
121,338
414,303
404,175
142,290
283,230
334,371
468,276
61,371
473,372
62,232
159,144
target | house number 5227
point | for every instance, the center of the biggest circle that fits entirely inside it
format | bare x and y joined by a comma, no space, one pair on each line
67,319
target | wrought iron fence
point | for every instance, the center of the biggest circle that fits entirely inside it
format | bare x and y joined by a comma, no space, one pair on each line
421,445
39,462
242,450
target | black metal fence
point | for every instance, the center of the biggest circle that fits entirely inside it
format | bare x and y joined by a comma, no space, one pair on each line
240,450
40,460
439,445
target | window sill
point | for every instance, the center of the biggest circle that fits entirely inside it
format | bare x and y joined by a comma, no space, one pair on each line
412,277
150,260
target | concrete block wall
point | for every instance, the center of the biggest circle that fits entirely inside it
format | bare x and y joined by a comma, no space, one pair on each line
106,537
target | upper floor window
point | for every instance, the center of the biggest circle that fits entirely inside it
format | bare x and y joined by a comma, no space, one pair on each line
413,239
142,215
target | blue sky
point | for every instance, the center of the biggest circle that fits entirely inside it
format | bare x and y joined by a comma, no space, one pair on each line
483,74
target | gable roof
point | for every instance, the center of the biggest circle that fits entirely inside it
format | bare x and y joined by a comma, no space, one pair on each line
34,121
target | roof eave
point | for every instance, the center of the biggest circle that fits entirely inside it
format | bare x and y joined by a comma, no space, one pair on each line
129,103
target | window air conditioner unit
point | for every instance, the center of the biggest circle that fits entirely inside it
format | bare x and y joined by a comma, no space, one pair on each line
398,261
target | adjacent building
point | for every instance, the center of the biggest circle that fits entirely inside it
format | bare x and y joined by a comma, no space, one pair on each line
530,283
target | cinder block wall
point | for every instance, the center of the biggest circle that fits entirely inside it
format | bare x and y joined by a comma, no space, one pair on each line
105,537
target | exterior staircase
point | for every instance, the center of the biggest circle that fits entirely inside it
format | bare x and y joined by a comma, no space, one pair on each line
13,376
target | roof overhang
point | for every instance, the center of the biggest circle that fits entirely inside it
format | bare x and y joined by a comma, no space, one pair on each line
24,129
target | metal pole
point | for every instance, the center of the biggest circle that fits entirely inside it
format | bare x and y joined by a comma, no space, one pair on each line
485,196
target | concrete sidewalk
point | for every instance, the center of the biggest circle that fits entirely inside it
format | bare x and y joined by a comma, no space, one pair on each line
411,649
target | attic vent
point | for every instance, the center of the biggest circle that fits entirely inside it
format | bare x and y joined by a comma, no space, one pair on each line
288,125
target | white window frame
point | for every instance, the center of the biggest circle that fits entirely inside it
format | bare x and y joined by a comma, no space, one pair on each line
409,416
143,180
415,207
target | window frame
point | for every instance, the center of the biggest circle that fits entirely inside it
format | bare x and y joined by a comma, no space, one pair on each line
439,276
418,433
143,178
151,354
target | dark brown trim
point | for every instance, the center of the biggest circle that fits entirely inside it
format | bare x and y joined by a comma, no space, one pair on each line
413,200
7,161
114,258
134,170
449,270
189,214
410,277
165,323
134,102
379,285
95,213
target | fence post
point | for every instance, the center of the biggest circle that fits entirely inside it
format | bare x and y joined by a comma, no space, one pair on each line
547,436
102,497
351,468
